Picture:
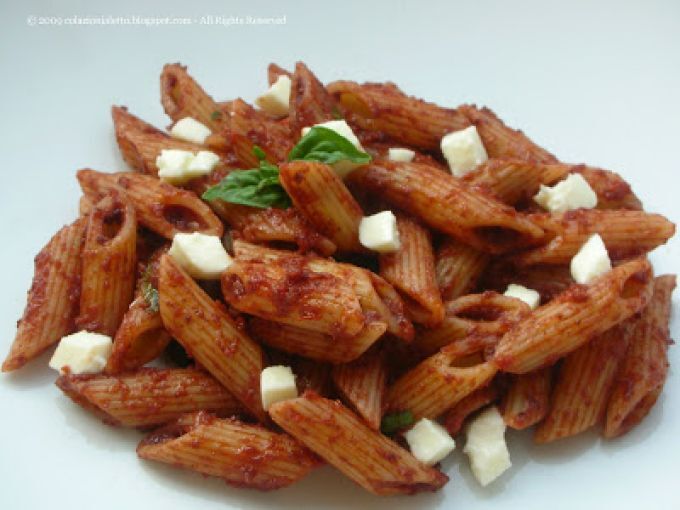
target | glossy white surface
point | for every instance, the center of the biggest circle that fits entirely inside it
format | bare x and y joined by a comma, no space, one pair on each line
593,82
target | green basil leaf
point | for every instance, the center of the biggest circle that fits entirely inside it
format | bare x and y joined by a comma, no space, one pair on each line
327,146
394,422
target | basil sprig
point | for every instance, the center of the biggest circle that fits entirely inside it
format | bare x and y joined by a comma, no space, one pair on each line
327,146
257,187
394,422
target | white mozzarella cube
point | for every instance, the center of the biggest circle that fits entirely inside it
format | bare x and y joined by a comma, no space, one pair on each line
574,192
190,130
202,163
344,167
529,296
401,155
277,383
429,442
173,165
463,150
591,261
489,456
82,353
379,232
276,100
200,255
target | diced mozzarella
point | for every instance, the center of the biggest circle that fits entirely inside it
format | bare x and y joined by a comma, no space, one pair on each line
82,353
529,296
344,167
573,192
179,166
489,456
379,232
399,154
591,261
200,255
463,150
276,100
429,442
190,130
277,383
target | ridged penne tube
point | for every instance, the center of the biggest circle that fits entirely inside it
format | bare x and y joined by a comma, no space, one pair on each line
383,107
500,141
549,281
274,71
512,180
149,396
376,297
85,205
612,191
310,102
210,335
140,143
243,455
109,259
52,302
411,270
645,366
182,97
324,200
437,384
140,338
315,345
457,268
625,233
456,416
583,385
250,127
574,317
527,399
476,318
446,204
160,207
338,436
362,384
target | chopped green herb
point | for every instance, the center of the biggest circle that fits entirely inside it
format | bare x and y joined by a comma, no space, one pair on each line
393,423
336,113
149,292
216,115
327,146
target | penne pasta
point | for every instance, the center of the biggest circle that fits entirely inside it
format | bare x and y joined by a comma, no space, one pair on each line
209,334
500,141
52,303
527,399
274,71
445,203
362,384
583,385
548,280
437,384
457,268
382,107
241,454
456,416
411,270
574,317
324,200
645,365
367,457
625,233
149,396
182,97
612,191
310,102
109,258
160,207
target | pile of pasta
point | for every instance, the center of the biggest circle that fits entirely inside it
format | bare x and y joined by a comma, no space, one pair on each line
423,332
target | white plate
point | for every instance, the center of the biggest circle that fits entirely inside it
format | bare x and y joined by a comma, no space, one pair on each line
596,84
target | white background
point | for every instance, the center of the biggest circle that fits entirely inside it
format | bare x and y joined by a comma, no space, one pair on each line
595,82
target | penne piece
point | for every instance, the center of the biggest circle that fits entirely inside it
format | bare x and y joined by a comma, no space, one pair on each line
209,334
274,71
149,396
645,365
243,455
310,102
457,268
574,317
367,457
109,259
458,414
446,204
527,399
612,191
52,303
